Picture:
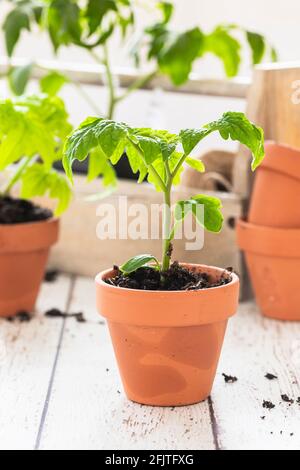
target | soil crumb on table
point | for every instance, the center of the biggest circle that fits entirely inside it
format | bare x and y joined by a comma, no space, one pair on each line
51,275
18,211
287,399
177,278
229,379
268,405
271,377
56,313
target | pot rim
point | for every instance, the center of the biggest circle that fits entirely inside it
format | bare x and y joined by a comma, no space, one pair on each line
235,280
28,224
268,241
279,165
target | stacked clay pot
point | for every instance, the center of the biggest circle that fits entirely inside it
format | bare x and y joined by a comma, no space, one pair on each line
270,238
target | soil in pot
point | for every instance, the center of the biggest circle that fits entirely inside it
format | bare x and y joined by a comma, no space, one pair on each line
18,211
177,278
168,343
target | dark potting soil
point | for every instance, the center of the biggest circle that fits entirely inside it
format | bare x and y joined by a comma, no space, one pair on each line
229,379
18,211
287,399
51,276
177,278
56,313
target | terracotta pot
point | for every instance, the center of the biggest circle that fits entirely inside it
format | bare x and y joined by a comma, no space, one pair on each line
276,189
167,344
273,260
24,252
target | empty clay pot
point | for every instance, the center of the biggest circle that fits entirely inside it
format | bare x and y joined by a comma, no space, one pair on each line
274,200
273,260
24,252
167,344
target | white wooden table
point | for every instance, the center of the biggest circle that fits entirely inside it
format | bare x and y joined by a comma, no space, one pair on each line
60,389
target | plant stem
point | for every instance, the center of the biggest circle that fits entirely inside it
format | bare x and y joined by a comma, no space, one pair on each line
22,166
87,98
110,83
166,230
136,85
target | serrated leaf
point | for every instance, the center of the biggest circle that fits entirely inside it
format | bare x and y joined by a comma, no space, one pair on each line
38,180
234,126
53,82
100,166
137,262
19,77
211,219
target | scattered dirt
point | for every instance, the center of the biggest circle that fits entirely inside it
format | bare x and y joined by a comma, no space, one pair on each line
18,211
271,377
263,417
22,317
268,405
51,276
56,313
177,278
298,400
229,379
286,399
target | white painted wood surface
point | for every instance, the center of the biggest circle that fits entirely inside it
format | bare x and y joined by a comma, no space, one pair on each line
60,387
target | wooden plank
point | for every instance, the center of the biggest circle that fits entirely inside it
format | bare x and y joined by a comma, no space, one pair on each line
26,361
253,347
88,409
92,74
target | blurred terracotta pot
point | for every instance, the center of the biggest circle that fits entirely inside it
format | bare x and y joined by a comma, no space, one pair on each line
273,260
274,200
167,344
24,252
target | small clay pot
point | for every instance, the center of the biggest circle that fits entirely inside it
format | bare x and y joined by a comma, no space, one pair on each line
24,250
275,196
168,344
273,260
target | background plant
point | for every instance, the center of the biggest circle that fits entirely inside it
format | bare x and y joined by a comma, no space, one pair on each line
160,156
91,25
32,132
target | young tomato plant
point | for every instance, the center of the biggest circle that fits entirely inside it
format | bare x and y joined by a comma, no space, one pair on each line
92,24
32,132
160,156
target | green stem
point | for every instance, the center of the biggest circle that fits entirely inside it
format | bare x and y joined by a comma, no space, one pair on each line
22,166
179,165
136,85
110,83
166,230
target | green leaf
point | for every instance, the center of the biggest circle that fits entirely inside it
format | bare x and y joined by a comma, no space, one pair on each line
274,55
167,9
19,78
38,180
232,125
15,22
53,82
30,126
195,164
96,11
224,46
178,54
258,46
137,262
63,22
136,162
99,165
190,138
213,218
